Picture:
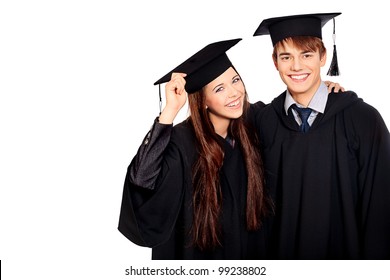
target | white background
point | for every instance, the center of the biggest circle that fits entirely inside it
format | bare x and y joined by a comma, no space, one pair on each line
77,97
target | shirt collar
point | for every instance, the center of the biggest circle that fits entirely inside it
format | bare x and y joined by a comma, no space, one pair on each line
317,103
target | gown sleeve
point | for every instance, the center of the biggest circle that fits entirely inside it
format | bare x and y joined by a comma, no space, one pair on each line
374,184
254,110
146,165
153,190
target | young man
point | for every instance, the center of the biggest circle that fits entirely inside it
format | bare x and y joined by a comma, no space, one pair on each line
329,173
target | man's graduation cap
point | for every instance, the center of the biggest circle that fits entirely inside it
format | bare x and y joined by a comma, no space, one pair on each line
280,28
204,66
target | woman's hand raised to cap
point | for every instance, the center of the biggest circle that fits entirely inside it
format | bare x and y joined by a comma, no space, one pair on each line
176,97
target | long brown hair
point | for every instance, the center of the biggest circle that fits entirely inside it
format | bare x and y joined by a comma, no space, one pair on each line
206,172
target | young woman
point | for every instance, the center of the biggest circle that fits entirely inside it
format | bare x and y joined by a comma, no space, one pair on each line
196,190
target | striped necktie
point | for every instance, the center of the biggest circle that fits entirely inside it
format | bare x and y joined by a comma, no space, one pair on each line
304,114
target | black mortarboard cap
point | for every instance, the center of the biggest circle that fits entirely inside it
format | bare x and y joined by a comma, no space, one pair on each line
204,66
280,28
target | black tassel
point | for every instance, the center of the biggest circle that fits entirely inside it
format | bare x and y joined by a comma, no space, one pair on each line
334,65
159,95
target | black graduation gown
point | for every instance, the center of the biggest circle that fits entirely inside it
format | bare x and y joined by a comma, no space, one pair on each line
331,186
156,206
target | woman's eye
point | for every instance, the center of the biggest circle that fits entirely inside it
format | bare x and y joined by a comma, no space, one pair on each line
236,80
219,89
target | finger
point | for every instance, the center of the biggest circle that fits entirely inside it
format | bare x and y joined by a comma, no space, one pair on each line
175,86
177,74
179,82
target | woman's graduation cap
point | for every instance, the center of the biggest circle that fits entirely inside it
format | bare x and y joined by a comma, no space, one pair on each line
204,66
280,28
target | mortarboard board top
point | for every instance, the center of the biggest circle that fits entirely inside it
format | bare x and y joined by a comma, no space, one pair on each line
280,28
204,66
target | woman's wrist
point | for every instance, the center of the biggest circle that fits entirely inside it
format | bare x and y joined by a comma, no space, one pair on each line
167,115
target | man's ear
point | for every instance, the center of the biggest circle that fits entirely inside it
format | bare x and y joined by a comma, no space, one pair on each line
275,62
323,59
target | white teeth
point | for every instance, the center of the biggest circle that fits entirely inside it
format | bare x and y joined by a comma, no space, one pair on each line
233,104
299,77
